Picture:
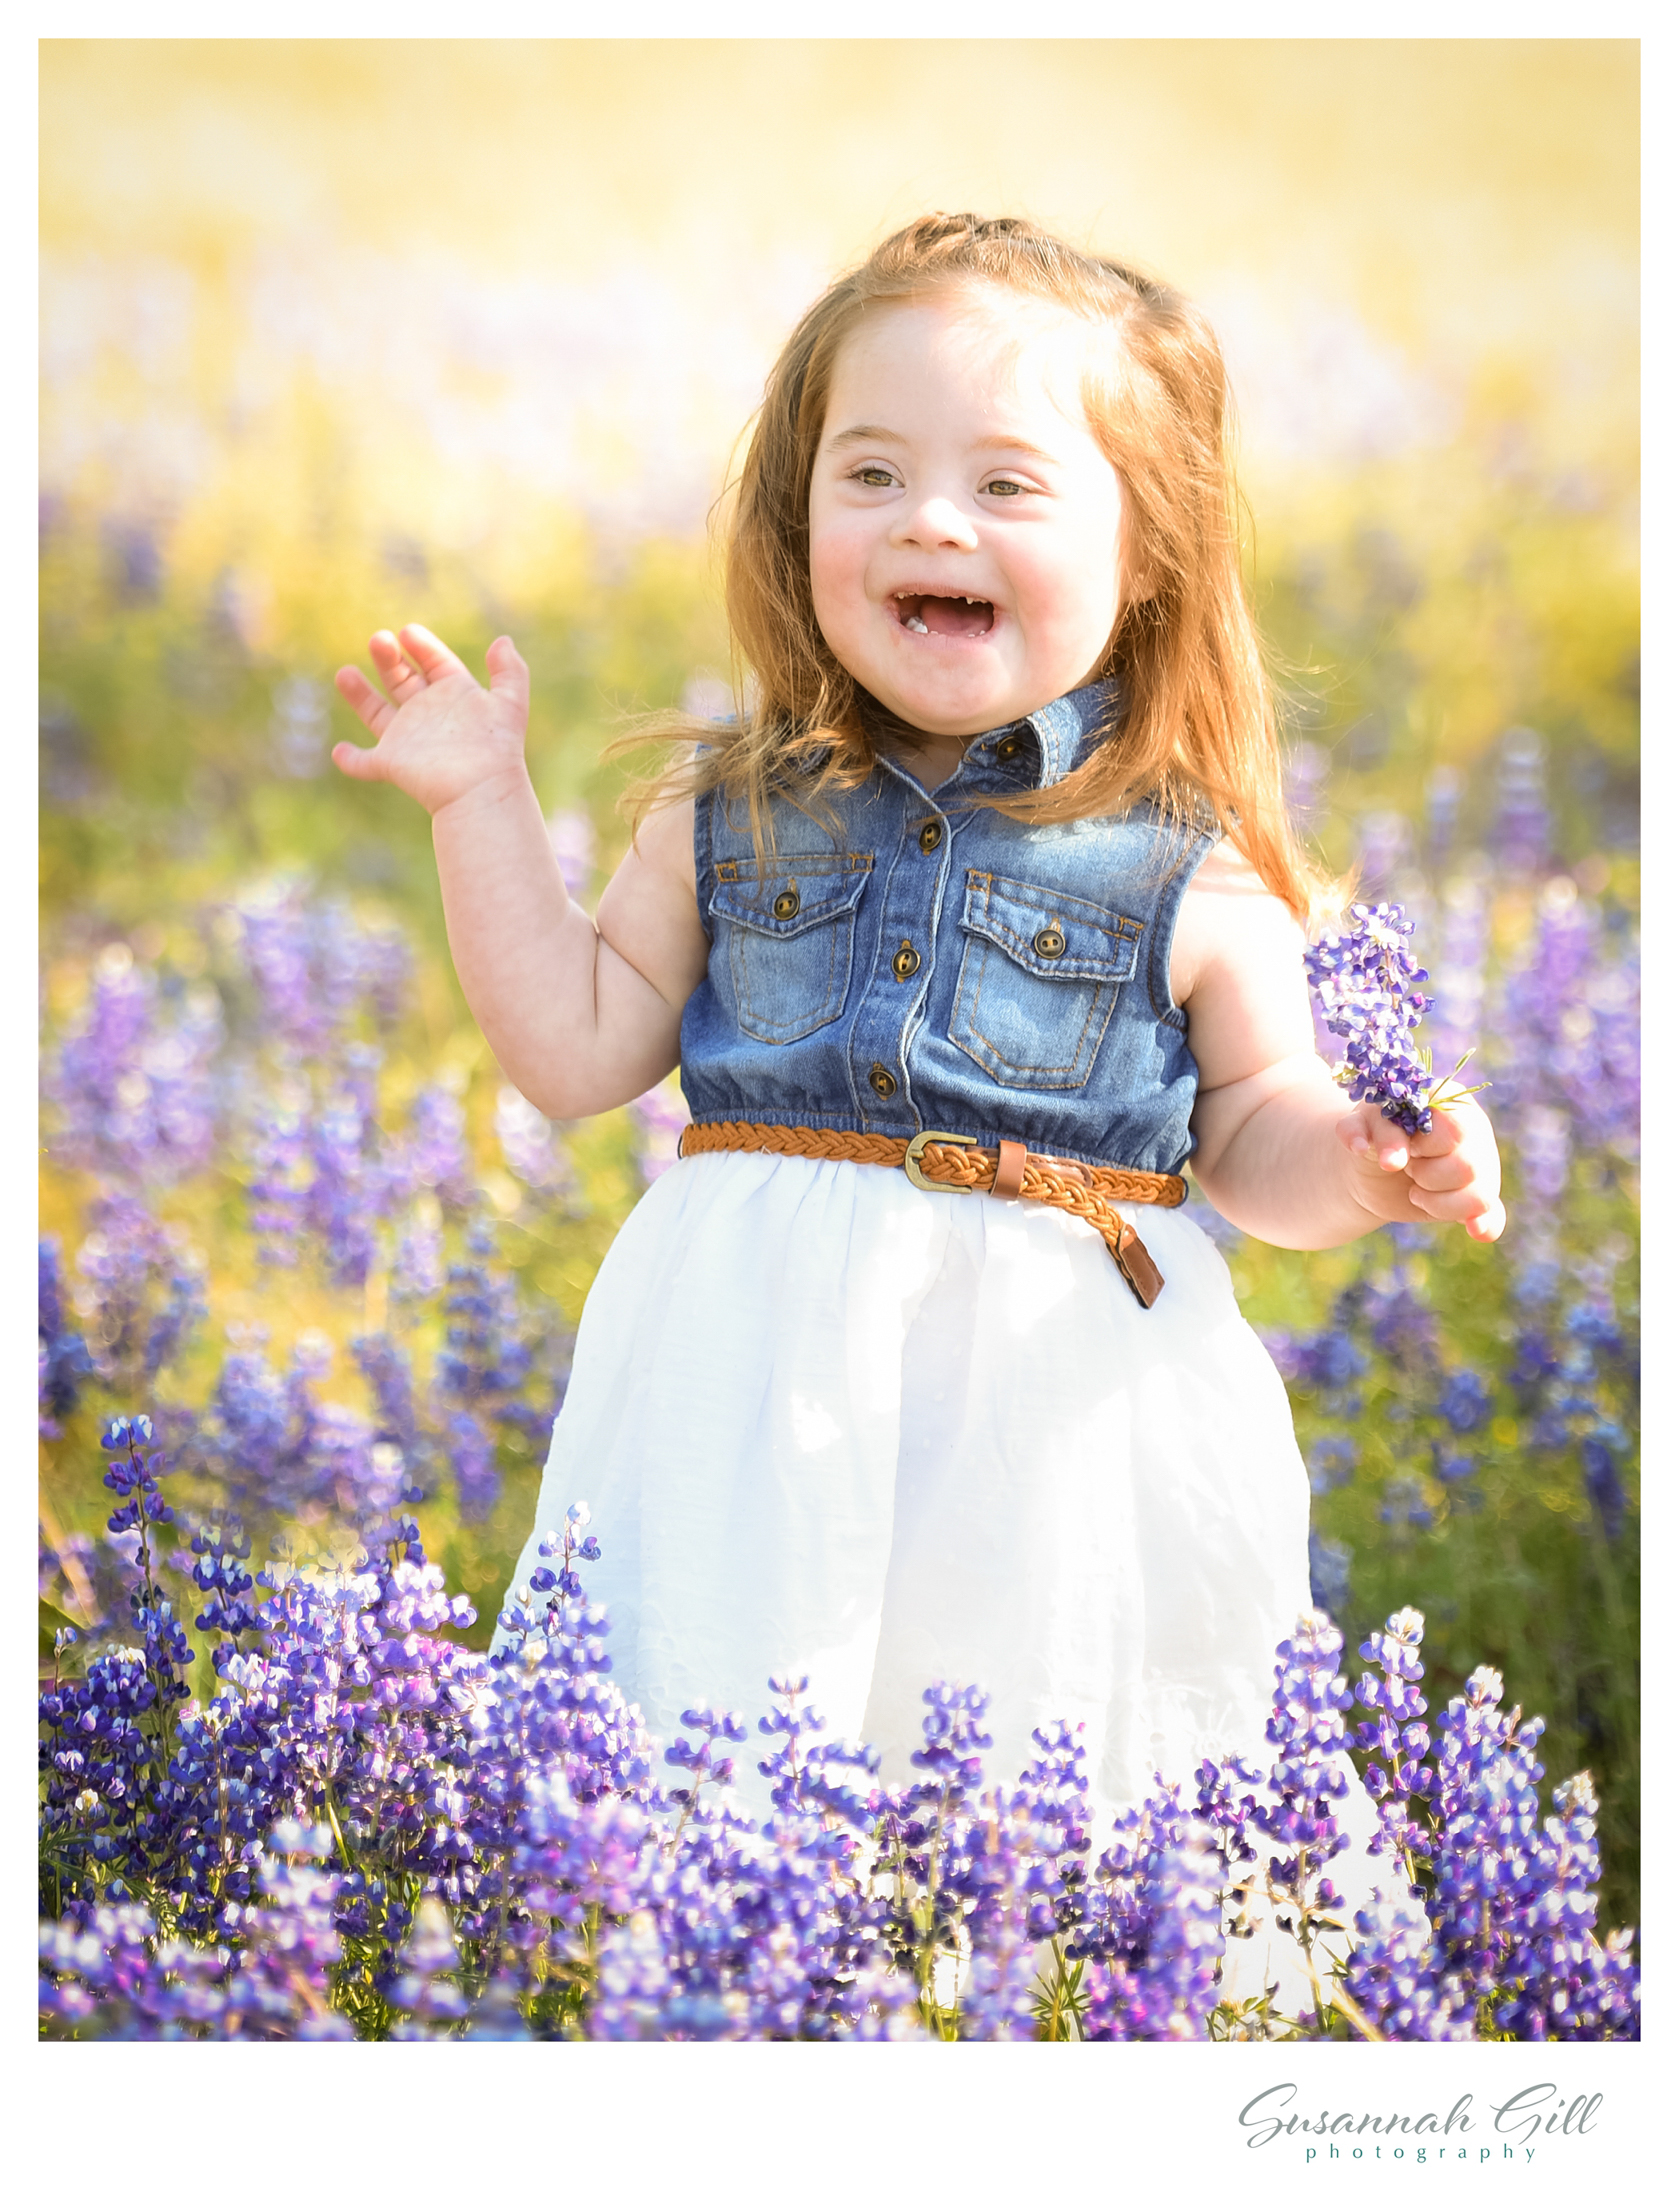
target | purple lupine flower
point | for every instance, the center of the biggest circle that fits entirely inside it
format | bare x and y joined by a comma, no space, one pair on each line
277,1187
1173,1995
317,970
276,1449
1522,830
1365,981
221,1549
1487,1777
139,1292
63,1362
1465,1403
1602,1476
1397,1736
1162,1858
436,1153
417,1266
1329,1566
695,1761
280,1990
1567,1026
1329,1462
425,1985
1393,1974
133,1084
1309,1775
528,1147
1458,971
631,1982
98,1978
1566,1984
389,1375
471,1452
349,1190
1403,1326
1002,1856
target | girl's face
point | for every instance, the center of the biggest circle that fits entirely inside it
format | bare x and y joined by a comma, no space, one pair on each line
966,529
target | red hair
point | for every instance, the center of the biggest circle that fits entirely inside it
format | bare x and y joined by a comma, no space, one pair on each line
1195,728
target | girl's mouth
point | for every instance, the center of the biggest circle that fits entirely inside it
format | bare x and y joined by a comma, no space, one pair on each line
965,617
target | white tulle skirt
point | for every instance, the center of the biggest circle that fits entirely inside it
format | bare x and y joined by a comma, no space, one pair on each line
830,1423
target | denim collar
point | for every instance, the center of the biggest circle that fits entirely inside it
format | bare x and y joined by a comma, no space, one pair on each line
1061,730
1059,736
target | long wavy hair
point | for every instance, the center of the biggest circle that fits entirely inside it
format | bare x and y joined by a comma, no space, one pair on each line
1195,729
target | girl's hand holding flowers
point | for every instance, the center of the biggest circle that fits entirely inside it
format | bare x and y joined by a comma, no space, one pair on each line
1416,1144
1449,1172
440,735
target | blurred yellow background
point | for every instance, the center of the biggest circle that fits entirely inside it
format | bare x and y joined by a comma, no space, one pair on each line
341,333
435,287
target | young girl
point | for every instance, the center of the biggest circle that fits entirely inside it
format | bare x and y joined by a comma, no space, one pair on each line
989,891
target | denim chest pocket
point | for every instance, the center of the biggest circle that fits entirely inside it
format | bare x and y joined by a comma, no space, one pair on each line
789,928
1041,973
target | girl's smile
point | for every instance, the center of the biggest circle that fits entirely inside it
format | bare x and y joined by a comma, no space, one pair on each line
958,618
966,527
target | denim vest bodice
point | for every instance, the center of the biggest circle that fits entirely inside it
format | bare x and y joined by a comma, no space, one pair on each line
918,964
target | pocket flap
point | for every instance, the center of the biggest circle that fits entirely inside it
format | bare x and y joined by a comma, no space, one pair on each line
791,897
1054,935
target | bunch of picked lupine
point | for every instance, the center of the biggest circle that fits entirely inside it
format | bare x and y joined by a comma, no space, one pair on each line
1366,983
371,1832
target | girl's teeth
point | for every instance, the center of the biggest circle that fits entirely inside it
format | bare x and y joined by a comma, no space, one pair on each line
916,624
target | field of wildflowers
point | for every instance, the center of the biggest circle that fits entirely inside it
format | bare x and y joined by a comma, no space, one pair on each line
309,1270
308,1280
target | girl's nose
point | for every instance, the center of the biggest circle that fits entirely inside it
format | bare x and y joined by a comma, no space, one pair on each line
934,522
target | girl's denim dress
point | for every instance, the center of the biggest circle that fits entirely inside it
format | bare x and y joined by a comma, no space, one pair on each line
928,966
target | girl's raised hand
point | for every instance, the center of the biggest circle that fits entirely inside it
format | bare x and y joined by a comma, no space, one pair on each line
439,734
1448,1172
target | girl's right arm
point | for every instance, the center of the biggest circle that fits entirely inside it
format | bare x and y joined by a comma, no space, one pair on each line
581,1014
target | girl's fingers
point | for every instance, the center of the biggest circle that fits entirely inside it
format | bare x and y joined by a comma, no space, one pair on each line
1367,1134
363,698
435,661
357,763
401,679
1450,1173
509,674
1443,1136
1472,1207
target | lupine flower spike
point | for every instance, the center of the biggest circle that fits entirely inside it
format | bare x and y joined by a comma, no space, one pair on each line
1366,983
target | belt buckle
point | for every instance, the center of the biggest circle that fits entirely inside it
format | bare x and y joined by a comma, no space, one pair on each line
918,1146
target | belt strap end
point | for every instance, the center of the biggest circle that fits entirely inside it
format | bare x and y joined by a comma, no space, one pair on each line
1135,1265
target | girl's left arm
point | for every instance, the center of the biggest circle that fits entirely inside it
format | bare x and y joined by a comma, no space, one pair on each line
1281,1151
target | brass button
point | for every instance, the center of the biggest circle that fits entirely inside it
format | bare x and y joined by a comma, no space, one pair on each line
905,963
931,834
786,903
883,1081
1050,942
1009,749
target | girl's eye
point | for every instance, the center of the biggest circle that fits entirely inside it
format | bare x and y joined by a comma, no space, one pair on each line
1005,488
873,477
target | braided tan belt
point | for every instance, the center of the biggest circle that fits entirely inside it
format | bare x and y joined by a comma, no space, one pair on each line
945,1161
